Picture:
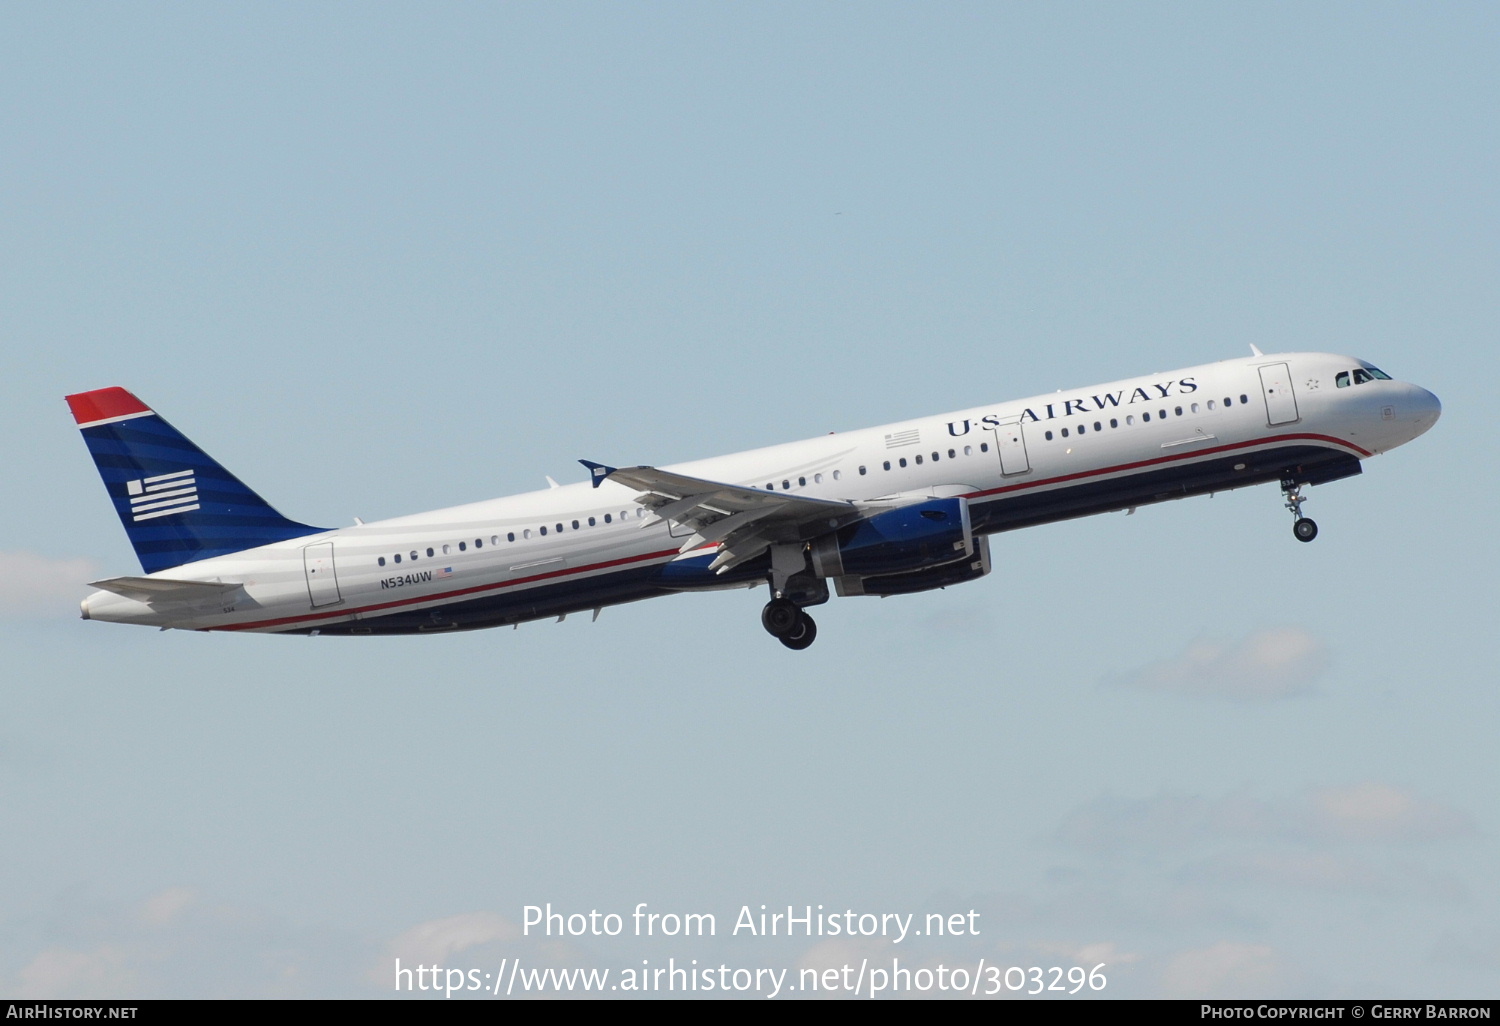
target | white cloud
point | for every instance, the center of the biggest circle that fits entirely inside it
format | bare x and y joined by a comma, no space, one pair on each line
1314,870
1368,812
172,945
61,973
33,586
1226,970
1378,812
433,942
1165,821
164,907
1268,664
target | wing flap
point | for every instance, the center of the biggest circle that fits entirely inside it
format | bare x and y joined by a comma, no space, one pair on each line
744,521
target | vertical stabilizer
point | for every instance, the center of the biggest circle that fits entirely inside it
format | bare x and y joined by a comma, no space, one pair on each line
177,503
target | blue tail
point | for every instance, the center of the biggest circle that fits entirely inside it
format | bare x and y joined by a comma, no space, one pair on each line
177,503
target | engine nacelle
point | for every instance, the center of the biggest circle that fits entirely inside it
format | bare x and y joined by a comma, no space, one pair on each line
899,541
957,572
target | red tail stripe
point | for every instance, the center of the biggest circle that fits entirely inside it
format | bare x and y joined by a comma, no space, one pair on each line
104,404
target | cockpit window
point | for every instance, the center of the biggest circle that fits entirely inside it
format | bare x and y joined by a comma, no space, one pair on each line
1376,372
1361,376
1342,380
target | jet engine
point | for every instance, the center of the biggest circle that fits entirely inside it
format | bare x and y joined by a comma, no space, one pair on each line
923,545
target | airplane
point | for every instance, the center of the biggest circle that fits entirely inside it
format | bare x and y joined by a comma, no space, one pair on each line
891,510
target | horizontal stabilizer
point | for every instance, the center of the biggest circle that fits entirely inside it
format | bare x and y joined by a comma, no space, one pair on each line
160,589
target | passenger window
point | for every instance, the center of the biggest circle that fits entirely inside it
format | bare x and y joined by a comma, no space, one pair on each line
398,557
1145,418
785,485
801,482
1130,420
919,461
1065,432
861,471
1228,401
606,518
380,561
544,532
1049,436
1098,426
902,461
526,533
817,479
461,547
559,529
591,521
1210,404
1179,411
1114,422
445,550
1082,429
968,450
510,536
837,475
887,464
413,554
429,553
984,446
951,455
1244,399
1195,407
575,525
478,544
934,457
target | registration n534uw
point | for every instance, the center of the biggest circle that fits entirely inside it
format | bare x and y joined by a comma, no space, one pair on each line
890,510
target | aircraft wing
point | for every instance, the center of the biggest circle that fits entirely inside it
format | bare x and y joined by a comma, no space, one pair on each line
743,521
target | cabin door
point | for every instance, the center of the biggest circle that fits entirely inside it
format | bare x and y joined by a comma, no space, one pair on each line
1011,442
322,582
1281,403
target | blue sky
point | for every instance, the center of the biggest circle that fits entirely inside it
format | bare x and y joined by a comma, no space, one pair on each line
383,258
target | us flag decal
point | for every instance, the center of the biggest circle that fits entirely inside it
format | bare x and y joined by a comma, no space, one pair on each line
162,495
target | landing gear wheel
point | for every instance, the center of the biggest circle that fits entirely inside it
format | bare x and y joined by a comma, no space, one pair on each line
1305,529
779,618
804,633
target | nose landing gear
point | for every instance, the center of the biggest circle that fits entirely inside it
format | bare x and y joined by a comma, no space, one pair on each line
1305,528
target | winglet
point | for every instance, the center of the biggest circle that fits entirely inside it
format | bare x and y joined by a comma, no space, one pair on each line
1255,350
598,472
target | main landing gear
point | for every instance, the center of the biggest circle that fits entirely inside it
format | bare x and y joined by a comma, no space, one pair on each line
785,621
1305,528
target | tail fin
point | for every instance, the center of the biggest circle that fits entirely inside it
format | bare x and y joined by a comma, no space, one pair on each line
177,503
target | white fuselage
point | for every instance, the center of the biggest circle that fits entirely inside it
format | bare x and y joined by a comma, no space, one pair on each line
577,547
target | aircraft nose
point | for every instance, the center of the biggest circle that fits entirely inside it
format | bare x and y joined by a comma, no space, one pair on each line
1429,408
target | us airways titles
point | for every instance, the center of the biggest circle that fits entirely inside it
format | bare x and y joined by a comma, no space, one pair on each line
1079,407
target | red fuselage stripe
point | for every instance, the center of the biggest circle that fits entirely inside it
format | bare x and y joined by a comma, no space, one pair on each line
665,553
1158,460
308,617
